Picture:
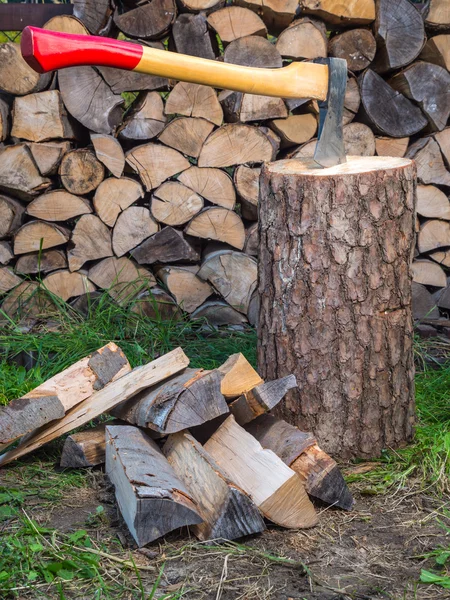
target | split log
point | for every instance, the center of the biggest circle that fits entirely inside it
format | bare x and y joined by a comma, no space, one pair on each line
238,377
246,181
53,398
234,22
8,280
443,300
156,304
437,17
131,81
443,139
4,118
109,152
233,275
81,172
335,12
155,163
359,140
297,335
304,39
212,184
66,24
149,21
227,512
89,99
356,46
217,313
11,216
151,498
201,5
39,235
192,100
40,117
261,399
236,145
428,86
175,204
58,205
276,14
133,226
93,13
145,119
115,195
250,107
188,290
433,234
67,285
437,51
27,302
167,246
400,34
6,254
427,272
252,240
91,239
352,100
432,203
253,51
16,77
186,400
19,175
423,305
186,134
102,401
121,278
275,489
217,223
45,262
191,35
387,146
441,256
318,471
296,129
429,162
388,111
48,156
85,448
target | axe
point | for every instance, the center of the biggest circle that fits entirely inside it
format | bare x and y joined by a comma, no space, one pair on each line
324,79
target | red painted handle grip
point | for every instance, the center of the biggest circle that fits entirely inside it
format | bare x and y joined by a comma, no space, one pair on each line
49,50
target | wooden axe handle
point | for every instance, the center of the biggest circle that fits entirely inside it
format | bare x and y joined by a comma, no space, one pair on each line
49,50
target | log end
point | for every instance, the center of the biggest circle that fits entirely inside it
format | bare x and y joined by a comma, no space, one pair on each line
354,166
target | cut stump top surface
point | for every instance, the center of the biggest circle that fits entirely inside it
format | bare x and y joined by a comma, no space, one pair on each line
353,166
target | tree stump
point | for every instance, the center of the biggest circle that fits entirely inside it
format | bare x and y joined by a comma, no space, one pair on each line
335,288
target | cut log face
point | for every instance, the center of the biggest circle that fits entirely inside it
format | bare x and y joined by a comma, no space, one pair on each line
89,99
4,119
184,401
102,401
252,240
216,223
91,239
227,512
303,39
66,285
437,16
359,140
48,155
6,254
151,498
261,108
217,313
356,46
193,100
121,278
109,152
115,195
188,290
156,304
427,272
443,139
296,129
37,235
276,14
66,24
11,216
175,204
352,100
433,234
26,302
201,5
212,184
131,81
428,86
166,246
275,489
149,21
423,304
239,377
186,134
234,22
85,449
16,77
133,226
235,145
441,256
52,260
388,111
335,12
190,35
386,146
400,34
155,163
146,119
81,172
8,280
253,51
58,205
246,181
19,174
437,51
432,203
429,162
233,275
93,14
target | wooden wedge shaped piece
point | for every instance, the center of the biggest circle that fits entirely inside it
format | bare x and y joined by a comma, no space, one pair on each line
238,376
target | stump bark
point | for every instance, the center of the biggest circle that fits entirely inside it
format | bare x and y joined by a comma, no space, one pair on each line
335,288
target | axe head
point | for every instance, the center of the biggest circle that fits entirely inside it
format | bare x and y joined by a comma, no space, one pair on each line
330,143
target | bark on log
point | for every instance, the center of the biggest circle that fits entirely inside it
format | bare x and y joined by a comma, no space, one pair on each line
193,100
39,235
186,134
91,239
16,77
146,118
113,196
175,204
155,163
253,51
19,175
81,172
336,12
236,145
58,205
109,152
212,184
304,39
182,282
368,365
233,22
167,246
427,272
191,36
133,226
150,20
356,46
31,264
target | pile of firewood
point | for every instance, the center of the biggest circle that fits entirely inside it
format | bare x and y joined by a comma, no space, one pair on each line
158,203
192,447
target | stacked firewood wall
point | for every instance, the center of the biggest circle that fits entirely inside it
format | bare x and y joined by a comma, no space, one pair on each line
156,200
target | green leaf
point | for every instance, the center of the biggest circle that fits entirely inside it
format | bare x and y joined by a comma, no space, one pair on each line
32,575
6,512
66,575
77,536
37,547
440,580
4,575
